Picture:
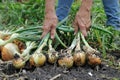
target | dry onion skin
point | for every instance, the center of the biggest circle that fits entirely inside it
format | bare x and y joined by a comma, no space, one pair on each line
8,51
93,60
66,60
79,58
20,45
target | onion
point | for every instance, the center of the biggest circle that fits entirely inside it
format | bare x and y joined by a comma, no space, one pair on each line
79,56
52,54
93,60
38,58
18,62
8,51
65,60
92,57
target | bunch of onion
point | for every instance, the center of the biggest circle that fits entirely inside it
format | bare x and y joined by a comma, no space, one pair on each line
20,61
22,35
38,58
92,57
66,58
79,56
8,51
52,55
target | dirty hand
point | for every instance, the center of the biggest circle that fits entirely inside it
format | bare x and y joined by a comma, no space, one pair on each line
49,25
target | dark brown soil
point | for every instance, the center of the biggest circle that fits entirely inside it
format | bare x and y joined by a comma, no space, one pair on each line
109,70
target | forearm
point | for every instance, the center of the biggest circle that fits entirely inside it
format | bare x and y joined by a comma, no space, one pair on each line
49,7
86,5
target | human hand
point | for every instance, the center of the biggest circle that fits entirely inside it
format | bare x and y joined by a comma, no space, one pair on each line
50,24
82,21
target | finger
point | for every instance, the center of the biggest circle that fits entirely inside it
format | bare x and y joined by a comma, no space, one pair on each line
83,29
53,31
75,25
45,31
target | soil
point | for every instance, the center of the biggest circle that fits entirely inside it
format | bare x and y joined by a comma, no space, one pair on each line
108,70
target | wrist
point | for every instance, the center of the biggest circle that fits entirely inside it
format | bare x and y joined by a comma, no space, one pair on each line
86,5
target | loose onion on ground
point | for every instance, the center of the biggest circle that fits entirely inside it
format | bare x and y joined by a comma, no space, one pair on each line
8,51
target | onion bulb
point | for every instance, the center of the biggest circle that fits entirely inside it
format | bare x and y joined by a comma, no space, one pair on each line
8,51
79,58
37,59
52,55
93,59
65,60
18,62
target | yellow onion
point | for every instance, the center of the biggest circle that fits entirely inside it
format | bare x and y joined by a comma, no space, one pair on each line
93,59
52,55
18,62
8,51
37,59
65,60
79,58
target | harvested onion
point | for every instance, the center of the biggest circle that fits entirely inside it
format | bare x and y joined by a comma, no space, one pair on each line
65,60
92,57
52,54
38,58
18,62
8,51
79,56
